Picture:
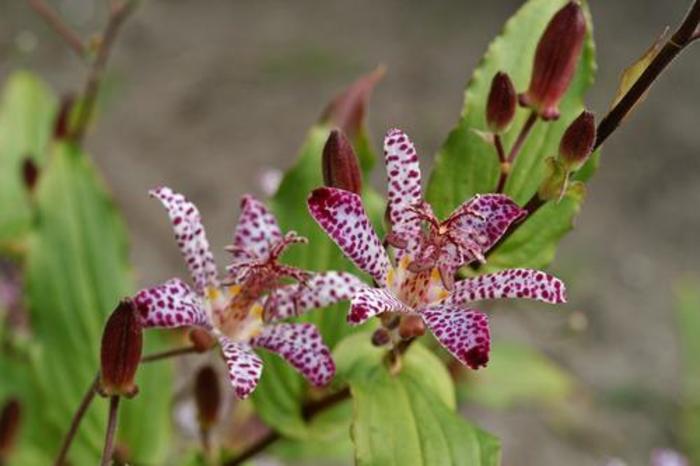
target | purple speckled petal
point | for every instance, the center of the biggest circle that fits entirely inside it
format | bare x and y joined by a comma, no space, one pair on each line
512,283
462,332
256,231
302,347
485,218
172,304
321,290
368,302
341,215
244,366
404,184
190,237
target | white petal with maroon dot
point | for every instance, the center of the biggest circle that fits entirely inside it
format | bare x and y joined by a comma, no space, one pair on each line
172,304
244,366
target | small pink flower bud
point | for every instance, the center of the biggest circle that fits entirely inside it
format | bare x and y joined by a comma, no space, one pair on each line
202,340
207,395
122,342
411,326
501,104
555,61
578,140
381,337
30,173
10,419
341,168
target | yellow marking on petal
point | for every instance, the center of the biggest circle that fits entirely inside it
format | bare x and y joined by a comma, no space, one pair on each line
443,294
233,290
213,293
404,262
390,275
435,275
256,311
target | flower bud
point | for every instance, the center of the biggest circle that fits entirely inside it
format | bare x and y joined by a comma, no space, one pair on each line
121,351
340,165
202,340
411,326
30,173
578,140
500,107
62,125
381,337
207,396
555,61
10,418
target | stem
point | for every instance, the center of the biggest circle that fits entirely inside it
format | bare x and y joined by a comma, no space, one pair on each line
111,429
53,19
168,354
524,133
505,165
256,447
75,422
118,13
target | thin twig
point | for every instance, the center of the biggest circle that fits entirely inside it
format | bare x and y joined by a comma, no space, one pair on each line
75,422
59,26
119,11
522,136
168,354
111,429
256,447
504,164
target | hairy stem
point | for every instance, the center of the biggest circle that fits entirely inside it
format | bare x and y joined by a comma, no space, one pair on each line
75,422
111,430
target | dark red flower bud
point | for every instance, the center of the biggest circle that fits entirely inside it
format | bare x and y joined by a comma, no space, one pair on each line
340,166
555,61
411,326
207,396
30,173
501,104
578,140
62,125
381,337
10,419
122,342
202,340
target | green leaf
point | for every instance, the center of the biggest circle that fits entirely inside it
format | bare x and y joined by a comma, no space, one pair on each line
467,165
688,321
279,396
517,375
76,273
27,111
407,419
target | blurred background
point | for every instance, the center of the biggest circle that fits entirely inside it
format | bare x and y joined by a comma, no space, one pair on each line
206,96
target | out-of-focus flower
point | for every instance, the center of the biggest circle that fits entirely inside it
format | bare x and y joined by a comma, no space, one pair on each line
501,103
122,342
243,311
667,457
10,419
555,61
269,180
341,168
427,255
207,396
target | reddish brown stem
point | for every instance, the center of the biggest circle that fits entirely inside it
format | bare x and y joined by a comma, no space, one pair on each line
108,450
53,19
522,136
169,354
75,422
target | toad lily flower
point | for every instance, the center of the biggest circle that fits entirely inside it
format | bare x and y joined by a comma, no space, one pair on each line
243,310
428,253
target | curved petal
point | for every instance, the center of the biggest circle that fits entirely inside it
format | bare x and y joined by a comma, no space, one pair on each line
512,283
321,290
404,184
462,332
171,304
368,302
302,347
190,237
485,218
341,215
256,230
244,366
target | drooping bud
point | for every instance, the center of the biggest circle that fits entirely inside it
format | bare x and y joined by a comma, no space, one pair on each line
122,342
207,396
340,165
202,340
501,104
578,140
30,173
381,337
555,61
411,326
10,419
62,126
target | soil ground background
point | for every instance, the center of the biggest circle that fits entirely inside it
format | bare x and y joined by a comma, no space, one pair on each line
206,95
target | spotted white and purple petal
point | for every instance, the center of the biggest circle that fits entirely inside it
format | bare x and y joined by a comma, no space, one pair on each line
404,184
302,347
341,215
485,218
256,230
368,302
462,332
321,290
171,304
190,237
512,283
244,366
